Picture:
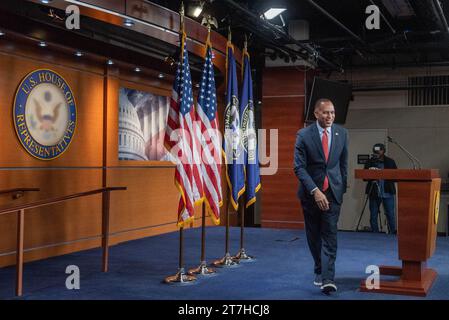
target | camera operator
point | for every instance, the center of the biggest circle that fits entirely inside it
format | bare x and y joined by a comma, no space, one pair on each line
381,191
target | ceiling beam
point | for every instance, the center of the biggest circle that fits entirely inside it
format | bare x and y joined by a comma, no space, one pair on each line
282,35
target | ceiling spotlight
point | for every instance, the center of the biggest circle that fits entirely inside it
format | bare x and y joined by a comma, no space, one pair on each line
137,69
195,8
110,62
42,44
128,23
79,54
170,61
46,1
1,33
161,76
198,9
273,13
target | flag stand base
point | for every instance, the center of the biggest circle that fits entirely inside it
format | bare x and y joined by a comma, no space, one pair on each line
243,256
180,278
202,269
226,262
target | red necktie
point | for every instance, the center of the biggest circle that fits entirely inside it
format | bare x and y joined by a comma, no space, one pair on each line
325,143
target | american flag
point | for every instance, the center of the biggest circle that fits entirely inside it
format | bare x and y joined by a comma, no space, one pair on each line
209,137
181,142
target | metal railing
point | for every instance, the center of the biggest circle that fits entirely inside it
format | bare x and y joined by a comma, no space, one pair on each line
20,209
18,192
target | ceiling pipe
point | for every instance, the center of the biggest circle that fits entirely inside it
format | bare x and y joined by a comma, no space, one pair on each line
341,25
284,35
440,15
366,47
401,65
383,17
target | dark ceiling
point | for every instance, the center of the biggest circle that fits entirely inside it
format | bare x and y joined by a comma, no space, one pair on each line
412,32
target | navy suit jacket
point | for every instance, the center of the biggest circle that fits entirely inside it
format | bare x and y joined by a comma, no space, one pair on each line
310,165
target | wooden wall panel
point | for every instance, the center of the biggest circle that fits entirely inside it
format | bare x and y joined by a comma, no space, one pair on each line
85,148
283,82
114,5
55,224
283,109
142,204
148,207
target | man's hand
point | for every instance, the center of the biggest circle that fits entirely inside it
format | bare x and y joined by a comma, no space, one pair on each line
321,200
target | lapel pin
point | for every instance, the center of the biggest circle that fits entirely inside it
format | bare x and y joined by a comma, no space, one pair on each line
336,133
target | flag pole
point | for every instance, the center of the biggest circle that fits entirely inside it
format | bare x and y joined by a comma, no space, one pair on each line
181,277
203,269
242,255
227,260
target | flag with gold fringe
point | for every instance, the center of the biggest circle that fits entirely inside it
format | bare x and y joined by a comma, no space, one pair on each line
208,136
249,133
180,139
232,143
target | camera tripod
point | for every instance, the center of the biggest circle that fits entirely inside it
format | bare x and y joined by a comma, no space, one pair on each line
373,183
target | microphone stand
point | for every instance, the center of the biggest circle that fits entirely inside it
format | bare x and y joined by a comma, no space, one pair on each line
409,155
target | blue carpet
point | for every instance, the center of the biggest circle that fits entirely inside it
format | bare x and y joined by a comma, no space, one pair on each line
283,269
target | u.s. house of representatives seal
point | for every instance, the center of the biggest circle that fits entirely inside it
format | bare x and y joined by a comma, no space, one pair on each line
44,114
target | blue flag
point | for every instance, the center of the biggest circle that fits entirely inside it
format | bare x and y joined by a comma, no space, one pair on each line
232,143
249,134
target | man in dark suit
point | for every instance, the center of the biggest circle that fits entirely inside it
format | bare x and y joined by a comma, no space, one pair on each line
381,191
321,165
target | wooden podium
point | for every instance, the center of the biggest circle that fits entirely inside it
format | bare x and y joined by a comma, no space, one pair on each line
418,204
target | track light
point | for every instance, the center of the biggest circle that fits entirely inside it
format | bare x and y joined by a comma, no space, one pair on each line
110,62
195,9
79,54
273,13
42,44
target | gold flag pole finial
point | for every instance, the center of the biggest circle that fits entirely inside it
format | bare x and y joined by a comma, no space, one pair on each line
209,21
208,32
245,43
209,28
181,12
229,34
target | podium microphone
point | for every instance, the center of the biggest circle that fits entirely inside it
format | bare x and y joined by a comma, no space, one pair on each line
412,158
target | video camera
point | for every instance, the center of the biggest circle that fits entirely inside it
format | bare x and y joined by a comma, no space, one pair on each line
370,160
373,160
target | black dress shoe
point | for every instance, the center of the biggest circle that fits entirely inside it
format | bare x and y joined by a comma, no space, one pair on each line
318,280
327,288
